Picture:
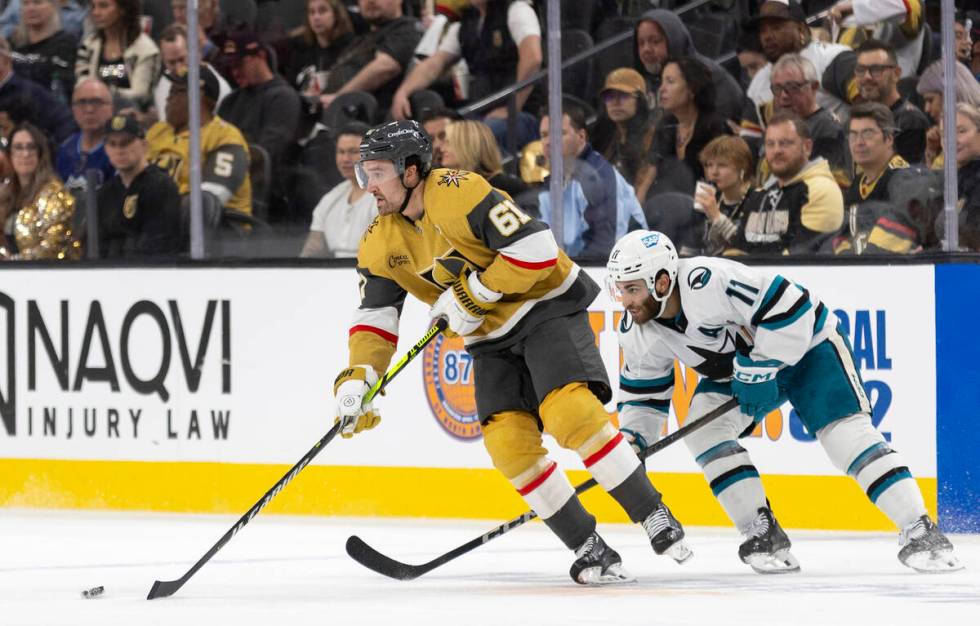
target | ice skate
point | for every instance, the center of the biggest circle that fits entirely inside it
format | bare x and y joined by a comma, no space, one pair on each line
598,564
926,549
766,550
666,534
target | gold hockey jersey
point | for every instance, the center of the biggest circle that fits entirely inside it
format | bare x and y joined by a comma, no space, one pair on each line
466,224
224,161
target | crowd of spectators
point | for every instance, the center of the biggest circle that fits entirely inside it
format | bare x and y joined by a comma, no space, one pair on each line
746,127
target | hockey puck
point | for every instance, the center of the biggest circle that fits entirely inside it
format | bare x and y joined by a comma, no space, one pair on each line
94,592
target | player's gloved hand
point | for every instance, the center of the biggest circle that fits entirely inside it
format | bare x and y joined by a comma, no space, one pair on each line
641,425
754,386
465,303
349,389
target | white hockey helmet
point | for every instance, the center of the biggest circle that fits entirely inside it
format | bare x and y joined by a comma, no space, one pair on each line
643,255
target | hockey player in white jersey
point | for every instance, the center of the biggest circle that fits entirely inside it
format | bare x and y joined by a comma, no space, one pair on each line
764,340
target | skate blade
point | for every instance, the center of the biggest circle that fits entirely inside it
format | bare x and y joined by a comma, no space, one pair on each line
680,552
934,562
780,562
614,575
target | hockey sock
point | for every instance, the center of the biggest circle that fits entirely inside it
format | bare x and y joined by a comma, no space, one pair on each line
734,480
859,450
615,466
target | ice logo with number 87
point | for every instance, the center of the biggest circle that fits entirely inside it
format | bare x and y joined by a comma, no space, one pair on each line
447,373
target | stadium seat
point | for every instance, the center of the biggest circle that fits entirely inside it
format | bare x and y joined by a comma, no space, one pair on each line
349,107
238,13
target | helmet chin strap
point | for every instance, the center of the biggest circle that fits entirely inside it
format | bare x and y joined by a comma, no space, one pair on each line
408,192
662,302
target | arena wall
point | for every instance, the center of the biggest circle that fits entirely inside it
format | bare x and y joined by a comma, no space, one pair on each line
194,390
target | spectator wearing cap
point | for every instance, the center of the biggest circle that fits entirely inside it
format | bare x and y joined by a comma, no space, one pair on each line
119,53
84,151
26,101
782,29
794,86
173,53
345,212
625,128
661,35
139,208
264,107
501,44
376,61
224,151
877,73
899,23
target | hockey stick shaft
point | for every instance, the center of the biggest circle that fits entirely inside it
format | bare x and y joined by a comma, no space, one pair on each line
165,588
374,560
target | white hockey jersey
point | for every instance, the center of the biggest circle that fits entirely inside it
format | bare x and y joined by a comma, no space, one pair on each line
725,307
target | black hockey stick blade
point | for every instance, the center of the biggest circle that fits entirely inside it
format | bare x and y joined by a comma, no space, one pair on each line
166,588
370,558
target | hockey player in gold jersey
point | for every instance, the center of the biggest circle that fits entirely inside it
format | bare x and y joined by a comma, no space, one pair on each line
498,277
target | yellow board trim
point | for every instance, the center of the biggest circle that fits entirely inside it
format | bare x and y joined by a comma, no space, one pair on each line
817,502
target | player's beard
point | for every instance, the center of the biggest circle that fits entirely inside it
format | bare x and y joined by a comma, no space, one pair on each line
646,311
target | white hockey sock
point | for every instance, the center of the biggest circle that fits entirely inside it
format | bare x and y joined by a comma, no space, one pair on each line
734,480
858,449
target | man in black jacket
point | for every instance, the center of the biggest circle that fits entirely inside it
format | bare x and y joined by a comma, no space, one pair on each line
264,107
139,209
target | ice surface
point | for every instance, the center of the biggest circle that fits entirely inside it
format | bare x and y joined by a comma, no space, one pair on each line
286,571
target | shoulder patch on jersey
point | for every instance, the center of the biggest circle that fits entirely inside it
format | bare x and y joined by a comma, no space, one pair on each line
451,178
698,277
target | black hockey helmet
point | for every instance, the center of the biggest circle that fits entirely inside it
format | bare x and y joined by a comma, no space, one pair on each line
396,142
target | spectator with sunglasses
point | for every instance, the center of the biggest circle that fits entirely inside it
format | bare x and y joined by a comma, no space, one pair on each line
626,125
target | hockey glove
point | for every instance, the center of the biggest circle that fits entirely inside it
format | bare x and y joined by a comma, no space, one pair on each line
641,425
349,389
465,303
754,386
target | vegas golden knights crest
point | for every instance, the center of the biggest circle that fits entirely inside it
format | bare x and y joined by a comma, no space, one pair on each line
446,268
129,206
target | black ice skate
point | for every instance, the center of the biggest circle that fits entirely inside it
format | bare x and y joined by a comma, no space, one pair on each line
666,534
926,549
766,550
598,564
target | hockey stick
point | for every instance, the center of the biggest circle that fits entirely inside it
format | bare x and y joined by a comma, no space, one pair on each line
166,588
387,566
